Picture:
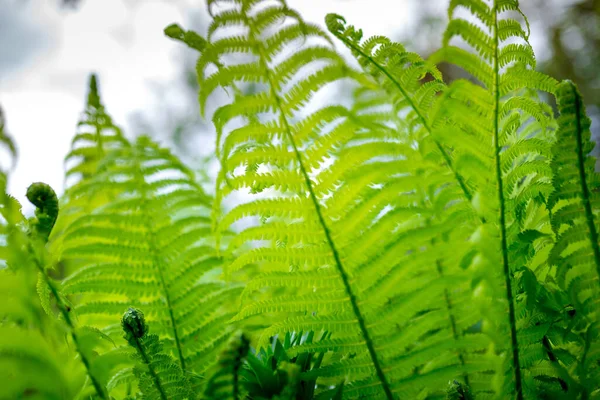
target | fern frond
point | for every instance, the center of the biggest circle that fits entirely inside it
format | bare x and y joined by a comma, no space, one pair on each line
46,202
400,73
499,107
339,197
283,104
150,248
160,377
574,205
96,136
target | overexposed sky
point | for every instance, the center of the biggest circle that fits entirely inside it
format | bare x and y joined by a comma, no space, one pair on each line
47,53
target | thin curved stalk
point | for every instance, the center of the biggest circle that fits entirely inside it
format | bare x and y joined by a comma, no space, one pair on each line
158,262
144,356
100,390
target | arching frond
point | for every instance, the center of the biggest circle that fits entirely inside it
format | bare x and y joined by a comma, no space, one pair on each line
574,205
33,354
501,133
96,136
344,223
150,248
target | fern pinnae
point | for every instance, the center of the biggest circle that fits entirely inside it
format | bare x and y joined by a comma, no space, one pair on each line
452,318
516,128
502,211
158,262
44,198
149,246
422,95
96,137
351,39
166,378
336,256
574,204
568,90
377,58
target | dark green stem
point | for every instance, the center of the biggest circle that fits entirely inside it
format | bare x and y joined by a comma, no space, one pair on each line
44,198
142,352
451,317
585,192
158,262
67,317
500,187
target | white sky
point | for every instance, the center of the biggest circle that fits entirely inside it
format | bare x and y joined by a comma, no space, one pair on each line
122,41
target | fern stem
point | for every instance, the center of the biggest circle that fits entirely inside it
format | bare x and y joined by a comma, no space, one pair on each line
506,265
585,192
452,318
343,274
100,390
589,214
236,381
157,261
411,103
151,370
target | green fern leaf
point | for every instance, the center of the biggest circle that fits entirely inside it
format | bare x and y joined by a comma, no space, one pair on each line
500,109
150,247
327,178
160,377
96,136
574,204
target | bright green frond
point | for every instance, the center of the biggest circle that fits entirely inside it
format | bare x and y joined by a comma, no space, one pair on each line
574,205
150,247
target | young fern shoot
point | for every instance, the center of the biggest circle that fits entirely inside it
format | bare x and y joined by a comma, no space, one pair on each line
160,377
44,198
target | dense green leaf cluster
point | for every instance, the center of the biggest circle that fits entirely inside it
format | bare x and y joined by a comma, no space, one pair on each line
416,239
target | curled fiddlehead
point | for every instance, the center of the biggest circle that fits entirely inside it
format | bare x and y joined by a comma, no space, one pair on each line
43,197
458,391
134,325
159,376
